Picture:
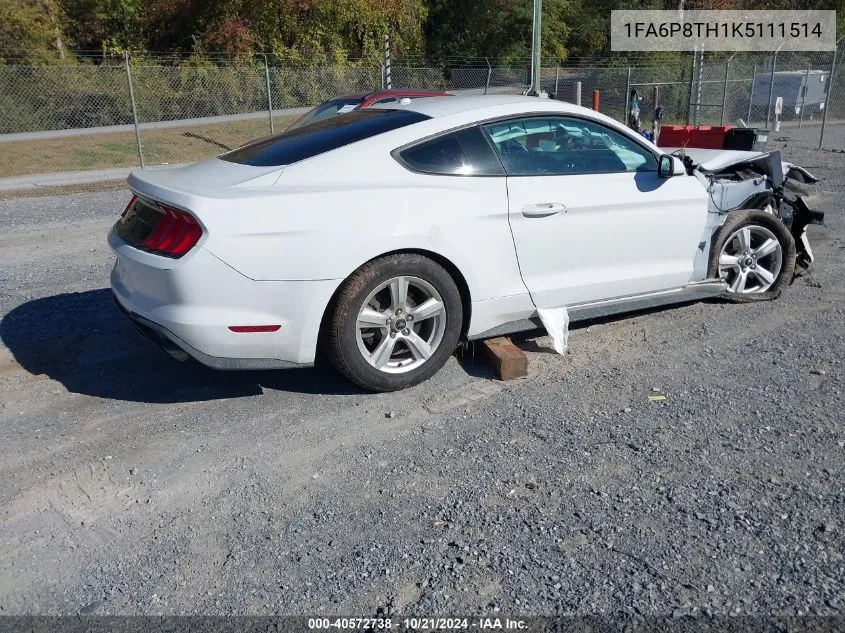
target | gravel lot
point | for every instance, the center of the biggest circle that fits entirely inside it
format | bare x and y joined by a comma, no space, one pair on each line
132,484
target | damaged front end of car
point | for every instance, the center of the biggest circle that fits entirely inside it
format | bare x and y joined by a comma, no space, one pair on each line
750,180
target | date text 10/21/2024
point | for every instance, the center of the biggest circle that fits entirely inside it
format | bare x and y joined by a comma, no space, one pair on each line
418,624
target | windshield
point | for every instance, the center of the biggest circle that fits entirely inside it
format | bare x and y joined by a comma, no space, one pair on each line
328,109
304,142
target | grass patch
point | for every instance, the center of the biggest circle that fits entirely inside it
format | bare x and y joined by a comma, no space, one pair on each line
103,151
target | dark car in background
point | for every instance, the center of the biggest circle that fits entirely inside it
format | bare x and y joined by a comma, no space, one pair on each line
358,100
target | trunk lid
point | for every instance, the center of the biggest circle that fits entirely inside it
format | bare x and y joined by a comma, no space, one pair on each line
211,178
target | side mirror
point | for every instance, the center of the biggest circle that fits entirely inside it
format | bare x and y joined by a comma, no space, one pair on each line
666,166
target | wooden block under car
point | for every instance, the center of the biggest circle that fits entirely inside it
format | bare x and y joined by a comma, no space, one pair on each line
505,358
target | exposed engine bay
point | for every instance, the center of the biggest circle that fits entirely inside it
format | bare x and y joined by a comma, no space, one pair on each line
753,180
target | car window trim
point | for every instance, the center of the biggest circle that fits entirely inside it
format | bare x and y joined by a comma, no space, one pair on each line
559,115
397,153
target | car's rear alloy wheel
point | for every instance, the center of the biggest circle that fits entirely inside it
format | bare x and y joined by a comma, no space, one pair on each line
401,324
754,254
395,322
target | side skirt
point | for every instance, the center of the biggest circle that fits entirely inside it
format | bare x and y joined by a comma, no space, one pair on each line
694,291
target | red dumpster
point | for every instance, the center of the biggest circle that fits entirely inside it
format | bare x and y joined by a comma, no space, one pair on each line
700,136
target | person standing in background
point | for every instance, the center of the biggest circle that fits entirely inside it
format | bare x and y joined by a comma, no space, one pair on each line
634,111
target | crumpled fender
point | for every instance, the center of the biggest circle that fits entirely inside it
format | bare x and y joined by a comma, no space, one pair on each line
798,174
802,216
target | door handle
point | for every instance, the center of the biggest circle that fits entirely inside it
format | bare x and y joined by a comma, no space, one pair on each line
543,209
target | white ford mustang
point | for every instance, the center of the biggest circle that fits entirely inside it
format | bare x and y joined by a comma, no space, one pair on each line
383,237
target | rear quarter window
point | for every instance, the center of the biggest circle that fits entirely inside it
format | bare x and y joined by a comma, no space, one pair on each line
462,153
321,136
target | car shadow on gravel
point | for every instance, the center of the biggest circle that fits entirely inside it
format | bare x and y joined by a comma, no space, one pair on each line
82,341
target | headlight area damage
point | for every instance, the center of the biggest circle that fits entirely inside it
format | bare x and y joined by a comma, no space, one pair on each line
750,180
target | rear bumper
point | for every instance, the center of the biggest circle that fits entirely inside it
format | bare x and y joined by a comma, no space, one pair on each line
176,348
187,306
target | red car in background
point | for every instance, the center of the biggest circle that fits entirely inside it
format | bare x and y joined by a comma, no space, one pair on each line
358,100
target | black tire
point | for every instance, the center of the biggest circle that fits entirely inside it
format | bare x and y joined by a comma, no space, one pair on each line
340,342
739,219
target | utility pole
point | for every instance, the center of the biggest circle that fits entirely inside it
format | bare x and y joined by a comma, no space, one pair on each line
388,82
535,48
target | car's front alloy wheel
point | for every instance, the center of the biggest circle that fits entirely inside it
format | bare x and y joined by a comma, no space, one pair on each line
754,254
751,259
395,322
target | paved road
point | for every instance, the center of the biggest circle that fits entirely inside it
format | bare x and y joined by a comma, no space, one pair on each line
53,180
133,484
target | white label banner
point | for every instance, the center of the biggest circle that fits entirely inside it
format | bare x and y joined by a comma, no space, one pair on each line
723,30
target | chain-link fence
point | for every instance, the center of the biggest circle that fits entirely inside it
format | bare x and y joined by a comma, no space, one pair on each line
789,94
122,112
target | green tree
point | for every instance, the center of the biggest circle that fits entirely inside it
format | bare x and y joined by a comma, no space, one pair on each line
103,25
501,29
30,28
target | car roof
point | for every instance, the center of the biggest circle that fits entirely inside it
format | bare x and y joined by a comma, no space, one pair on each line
446,113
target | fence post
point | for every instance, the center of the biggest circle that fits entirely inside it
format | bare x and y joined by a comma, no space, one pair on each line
557,78
578,93
691,85
627,97
804,96
751,96
489,74
699,81
725,92
772,87
134,109
269,94
829,92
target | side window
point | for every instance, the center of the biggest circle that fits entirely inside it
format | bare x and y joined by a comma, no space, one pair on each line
538,146
462,153
385,100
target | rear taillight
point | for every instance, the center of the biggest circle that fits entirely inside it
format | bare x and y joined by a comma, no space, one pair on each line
157,228
176,234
